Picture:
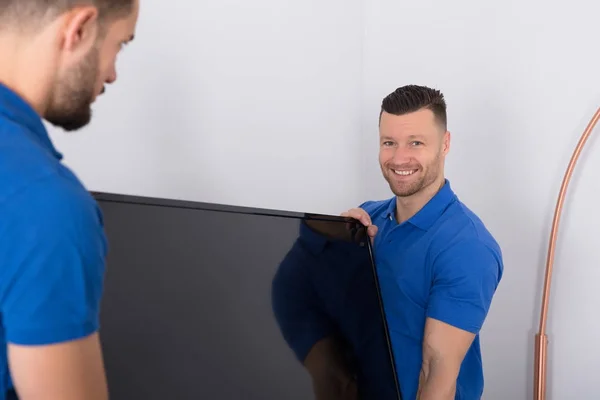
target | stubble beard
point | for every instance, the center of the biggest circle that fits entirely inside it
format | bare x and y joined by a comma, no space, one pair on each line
70,108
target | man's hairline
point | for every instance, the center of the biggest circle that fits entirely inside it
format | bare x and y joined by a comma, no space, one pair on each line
443,127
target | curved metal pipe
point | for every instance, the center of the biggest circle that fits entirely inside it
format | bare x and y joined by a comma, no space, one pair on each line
541,339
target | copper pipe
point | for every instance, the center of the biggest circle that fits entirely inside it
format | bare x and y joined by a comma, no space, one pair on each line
541,339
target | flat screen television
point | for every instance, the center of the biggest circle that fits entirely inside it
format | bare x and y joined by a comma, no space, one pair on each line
207,301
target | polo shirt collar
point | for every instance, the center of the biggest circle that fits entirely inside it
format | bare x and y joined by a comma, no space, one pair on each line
426,216
15,108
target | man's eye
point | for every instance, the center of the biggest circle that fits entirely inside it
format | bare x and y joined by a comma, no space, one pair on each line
416,143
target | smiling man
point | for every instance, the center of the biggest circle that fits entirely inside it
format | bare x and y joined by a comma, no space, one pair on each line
57,57
438,265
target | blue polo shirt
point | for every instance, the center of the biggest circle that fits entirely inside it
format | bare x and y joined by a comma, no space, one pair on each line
444,264
52,243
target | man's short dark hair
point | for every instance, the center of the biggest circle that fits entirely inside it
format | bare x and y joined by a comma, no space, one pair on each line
24,12
411,98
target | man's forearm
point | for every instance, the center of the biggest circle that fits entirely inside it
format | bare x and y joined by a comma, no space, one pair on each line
437,381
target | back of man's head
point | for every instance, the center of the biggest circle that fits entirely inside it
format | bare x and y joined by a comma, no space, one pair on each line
32,14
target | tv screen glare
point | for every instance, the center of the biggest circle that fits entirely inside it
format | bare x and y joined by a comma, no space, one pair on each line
207,301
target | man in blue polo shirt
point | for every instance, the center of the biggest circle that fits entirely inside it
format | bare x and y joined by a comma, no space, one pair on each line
56,58
438,265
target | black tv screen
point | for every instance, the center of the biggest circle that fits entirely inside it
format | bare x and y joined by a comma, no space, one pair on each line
205,301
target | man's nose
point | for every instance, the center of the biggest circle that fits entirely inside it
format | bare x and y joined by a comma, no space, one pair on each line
112,77
401,156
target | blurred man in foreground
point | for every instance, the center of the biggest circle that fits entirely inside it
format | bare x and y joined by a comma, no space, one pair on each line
438,265
57,57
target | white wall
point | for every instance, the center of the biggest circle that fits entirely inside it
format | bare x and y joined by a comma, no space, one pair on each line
230,101
274,104
519,97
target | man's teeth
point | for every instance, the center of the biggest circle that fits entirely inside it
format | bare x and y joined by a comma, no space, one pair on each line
399,172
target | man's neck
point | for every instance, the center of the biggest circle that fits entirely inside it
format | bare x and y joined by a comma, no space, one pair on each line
407,207
20,71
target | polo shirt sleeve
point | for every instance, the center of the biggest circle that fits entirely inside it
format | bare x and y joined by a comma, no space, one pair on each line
466,276
52,282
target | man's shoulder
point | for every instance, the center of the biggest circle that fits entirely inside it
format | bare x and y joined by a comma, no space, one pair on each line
39,193
460,224
462,240
377,207
23,160
54,200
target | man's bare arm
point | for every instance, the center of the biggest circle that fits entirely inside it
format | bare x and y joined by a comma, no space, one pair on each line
66,371
444,348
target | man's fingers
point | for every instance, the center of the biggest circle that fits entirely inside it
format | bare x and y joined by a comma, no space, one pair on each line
372,230
358,214
362,216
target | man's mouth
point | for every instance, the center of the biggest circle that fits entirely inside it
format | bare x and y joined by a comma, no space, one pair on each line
404,172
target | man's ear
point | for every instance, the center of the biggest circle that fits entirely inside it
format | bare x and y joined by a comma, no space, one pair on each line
446,142
80,29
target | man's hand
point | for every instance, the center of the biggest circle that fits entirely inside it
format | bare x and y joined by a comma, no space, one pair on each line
66,371
362,216
444,348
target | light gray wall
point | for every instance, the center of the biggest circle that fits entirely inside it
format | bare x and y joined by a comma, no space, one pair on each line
274,104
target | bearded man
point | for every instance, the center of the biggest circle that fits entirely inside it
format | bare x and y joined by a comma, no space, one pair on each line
57,57
437,263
